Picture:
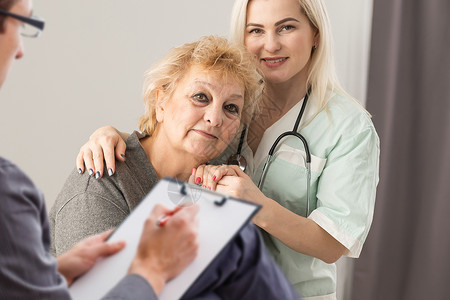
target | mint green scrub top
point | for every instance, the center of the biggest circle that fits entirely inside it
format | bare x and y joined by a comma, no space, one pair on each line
345,157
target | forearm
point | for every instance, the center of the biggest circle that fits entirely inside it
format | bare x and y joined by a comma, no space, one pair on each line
298,233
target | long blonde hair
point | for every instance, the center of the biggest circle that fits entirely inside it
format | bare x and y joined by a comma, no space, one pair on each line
210,53
322,77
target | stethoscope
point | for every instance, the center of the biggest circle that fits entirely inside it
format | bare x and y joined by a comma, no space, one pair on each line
238,159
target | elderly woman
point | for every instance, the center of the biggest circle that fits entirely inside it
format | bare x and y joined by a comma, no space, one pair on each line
196,99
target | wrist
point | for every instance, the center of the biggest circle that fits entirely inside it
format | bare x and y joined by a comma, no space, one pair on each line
262,218
62,270
156,279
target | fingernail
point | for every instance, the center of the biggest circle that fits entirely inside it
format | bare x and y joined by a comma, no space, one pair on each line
198,180
209,188
193,170
119,244
79,171
110,172
214,177
97,175
91,171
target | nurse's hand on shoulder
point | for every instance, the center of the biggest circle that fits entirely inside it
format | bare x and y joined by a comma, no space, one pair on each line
105,144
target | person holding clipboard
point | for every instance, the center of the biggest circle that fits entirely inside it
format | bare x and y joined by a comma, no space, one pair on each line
27,270
196,100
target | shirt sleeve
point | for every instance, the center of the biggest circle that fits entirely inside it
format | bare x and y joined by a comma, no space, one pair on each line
27,270
132,287
347,188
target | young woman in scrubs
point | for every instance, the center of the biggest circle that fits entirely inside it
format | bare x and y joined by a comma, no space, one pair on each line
291,41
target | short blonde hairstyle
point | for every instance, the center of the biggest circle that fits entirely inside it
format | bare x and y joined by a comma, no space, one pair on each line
322,76
210,53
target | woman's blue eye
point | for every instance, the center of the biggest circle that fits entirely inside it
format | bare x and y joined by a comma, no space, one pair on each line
201,97
232,108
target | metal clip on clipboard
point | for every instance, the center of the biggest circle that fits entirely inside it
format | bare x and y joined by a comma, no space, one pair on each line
220,202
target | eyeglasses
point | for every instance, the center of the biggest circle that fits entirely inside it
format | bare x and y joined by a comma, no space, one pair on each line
32,26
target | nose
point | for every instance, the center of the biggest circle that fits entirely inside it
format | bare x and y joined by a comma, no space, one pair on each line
19,52
272,42
214,116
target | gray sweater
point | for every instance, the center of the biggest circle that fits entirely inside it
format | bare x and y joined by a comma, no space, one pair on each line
88,206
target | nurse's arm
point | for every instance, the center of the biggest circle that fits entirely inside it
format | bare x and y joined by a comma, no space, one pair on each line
298,233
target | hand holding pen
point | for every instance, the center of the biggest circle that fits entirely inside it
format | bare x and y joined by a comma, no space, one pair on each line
165,217
163,254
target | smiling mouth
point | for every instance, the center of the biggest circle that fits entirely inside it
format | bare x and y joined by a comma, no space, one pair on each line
205,134
274,61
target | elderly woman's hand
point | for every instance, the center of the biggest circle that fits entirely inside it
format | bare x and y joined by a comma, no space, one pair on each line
228,179
106,143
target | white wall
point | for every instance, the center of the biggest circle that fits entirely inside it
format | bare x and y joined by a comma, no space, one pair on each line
352,27
86,71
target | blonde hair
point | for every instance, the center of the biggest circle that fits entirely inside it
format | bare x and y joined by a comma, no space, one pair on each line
322,77
210,53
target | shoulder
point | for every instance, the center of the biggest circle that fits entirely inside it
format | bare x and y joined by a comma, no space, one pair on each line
344,109
343,124
81,187
135,155
9,170
16,185
345,117
85,206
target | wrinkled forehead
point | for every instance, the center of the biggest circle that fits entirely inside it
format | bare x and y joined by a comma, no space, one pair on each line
216,76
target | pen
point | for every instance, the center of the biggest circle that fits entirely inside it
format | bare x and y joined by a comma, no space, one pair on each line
164,218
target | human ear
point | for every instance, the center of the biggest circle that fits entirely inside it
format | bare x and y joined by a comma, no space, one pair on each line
316,39
159,105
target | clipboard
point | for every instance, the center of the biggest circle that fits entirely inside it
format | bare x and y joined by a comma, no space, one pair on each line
218,214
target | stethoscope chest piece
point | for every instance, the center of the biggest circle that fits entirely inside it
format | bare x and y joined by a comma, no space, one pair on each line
239,160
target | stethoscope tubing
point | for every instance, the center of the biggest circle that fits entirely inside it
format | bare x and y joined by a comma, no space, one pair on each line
305,145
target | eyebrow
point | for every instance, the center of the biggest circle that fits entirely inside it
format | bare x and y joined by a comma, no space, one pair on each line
214,87
276,24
